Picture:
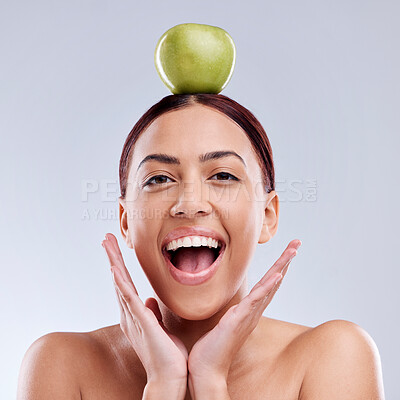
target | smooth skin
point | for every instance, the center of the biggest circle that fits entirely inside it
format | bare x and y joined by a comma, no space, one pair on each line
207,341
164,355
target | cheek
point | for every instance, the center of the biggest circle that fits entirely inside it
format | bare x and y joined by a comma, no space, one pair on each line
244,235
238,216
144,231
151,262
241,215
149,209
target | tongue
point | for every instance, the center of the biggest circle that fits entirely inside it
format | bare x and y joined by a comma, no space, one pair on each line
193,259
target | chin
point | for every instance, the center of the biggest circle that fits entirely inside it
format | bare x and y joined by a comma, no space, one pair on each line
196,314
197,308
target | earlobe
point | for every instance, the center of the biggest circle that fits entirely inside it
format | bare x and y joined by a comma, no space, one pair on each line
123,222
271,218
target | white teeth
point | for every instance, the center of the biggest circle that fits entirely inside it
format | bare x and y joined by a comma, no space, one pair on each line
193,241
196,241
187,242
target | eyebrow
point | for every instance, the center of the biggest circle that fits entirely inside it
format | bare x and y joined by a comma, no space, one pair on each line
213,155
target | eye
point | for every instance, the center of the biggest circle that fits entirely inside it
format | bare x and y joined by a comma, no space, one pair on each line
149,182
158,177
226,174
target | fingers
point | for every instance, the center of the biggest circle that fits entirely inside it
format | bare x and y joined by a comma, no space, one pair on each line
113,251
135,316
260,293
115,258
263,292
142,326
124,312
119,298
117,252
127,320
128,298
128,295
280,265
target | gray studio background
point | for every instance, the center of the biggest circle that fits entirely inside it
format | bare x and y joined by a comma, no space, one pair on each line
321,76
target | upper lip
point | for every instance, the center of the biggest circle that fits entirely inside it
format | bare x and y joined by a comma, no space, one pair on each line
192,231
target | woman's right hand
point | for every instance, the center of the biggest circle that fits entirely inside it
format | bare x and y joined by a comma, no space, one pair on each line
163,355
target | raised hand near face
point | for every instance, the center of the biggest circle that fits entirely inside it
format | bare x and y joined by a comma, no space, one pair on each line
163,355
212,354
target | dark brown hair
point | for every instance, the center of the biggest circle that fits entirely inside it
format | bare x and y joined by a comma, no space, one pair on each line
239,114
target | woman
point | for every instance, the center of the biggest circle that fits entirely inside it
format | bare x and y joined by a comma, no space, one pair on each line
200,167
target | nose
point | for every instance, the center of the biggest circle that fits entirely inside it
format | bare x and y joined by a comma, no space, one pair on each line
192,201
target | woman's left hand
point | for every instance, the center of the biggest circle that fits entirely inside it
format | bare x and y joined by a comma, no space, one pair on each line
212,354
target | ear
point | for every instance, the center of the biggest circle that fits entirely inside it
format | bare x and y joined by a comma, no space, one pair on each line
271,217
123,222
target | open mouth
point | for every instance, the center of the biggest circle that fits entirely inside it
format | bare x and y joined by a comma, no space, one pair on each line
193,259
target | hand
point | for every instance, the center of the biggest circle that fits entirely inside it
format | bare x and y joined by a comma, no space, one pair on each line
212,354
163,355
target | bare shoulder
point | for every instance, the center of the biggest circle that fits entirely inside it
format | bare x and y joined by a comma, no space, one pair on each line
277,358
283,335
334,360
49,366
342,362
78,365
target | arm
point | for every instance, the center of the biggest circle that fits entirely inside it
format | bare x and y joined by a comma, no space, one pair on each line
346,364
46,371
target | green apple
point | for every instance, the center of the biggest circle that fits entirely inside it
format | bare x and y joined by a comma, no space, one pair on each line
195,58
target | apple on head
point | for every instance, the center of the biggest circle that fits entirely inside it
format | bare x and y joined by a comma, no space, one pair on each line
195,58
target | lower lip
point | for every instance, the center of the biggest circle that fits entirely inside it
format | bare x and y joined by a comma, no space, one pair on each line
196,278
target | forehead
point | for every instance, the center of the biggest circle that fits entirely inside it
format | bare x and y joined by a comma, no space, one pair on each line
189,132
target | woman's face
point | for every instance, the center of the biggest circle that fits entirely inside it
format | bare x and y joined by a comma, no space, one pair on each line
194,193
